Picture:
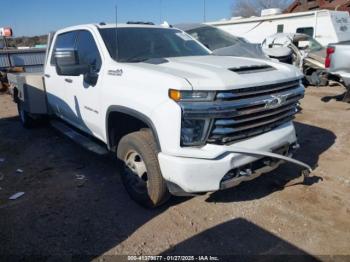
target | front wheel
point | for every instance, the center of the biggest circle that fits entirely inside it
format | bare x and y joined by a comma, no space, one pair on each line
141,175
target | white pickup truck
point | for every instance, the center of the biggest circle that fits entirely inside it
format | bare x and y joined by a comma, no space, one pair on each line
337,64
181,119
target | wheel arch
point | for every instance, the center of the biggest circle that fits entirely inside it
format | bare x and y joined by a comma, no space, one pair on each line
122,113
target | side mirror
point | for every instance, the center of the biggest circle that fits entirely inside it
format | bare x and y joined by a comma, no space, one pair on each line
91,78
67,62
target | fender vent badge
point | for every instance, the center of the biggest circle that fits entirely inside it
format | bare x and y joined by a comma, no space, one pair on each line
117,72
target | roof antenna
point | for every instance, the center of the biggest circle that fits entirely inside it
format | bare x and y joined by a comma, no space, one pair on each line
204,11
160,12
116,33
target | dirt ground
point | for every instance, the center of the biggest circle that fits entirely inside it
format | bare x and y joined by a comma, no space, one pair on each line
62,215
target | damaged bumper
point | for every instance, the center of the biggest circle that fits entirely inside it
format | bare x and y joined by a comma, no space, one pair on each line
240,162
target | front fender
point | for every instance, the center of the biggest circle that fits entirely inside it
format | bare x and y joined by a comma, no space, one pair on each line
136,114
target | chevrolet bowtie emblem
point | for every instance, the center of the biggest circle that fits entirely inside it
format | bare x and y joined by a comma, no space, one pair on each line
275,101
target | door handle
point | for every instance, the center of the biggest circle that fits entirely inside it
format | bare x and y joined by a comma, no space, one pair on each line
47,75
68,80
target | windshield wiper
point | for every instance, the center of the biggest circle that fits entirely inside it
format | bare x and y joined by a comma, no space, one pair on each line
137,59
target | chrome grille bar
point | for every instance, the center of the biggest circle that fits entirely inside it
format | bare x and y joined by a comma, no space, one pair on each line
230,130
228,122
255,111
254,91
218,139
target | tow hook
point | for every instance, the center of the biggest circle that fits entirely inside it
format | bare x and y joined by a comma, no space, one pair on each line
305,173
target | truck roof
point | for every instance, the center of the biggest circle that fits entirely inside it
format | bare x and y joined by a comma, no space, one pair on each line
102,25
136,24
111,25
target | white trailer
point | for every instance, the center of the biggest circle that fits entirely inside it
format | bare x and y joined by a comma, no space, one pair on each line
324,25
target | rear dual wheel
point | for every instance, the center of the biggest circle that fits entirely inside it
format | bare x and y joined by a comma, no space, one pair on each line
26,120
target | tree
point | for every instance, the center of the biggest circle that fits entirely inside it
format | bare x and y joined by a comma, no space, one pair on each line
26,41
247,8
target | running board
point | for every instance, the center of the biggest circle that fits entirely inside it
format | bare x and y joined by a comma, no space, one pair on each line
79,138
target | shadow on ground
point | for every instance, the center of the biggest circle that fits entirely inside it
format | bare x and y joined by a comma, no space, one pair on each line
240,240
60,215
344,97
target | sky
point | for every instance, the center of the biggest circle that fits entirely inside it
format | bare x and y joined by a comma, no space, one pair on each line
37,17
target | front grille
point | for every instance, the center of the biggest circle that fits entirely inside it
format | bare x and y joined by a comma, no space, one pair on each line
258,110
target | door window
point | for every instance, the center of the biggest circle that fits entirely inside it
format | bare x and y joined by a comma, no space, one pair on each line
280,28
88,53
65,40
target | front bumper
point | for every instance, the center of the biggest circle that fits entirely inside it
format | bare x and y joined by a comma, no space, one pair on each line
195,175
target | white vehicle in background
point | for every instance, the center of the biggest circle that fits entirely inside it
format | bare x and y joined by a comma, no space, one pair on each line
323,25
308,55
337,63
319,64
181,120
225,44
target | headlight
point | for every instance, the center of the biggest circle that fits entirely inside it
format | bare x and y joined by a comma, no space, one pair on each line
178,95
194,131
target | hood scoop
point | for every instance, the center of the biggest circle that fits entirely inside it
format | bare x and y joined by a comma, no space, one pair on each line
252,69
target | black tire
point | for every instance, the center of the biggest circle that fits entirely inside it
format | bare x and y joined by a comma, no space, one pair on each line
148,189
346,97
26,120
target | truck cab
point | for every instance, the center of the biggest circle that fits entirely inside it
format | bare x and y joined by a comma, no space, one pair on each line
181,120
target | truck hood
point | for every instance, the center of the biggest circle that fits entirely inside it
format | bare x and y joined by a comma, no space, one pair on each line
224,72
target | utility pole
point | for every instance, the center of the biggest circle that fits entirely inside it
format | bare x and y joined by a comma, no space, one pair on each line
204,11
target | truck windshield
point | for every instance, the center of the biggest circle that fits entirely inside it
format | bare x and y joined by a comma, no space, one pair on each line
307,43
314,45
214,38
136,44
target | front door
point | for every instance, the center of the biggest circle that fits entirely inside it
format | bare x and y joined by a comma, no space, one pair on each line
83,98
57,86
70,97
